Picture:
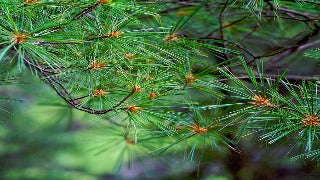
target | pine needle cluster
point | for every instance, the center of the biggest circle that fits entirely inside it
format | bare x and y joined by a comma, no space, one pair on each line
114,59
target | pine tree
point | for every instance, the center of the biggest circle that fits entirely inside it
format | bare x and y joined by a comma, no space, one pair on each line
123,63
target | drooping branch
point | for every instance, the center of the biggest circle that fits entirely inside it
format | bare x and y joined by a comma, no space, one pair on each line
65,95
301,45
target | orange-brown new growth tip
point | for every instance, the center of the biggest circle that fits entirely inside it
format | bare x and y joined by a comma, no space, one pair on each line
19,38
179,127
172,37
261,101
136,89
129,141
97,65
129,56
113,34
104,1
199,130
152,95
28,2
133,108
147,77
98,93
183,13
310,120
190,78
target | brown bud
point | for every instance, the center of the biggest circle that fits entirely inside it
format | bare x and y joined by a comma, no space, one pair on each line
129,56
136,89
152,95
98,93
97,65
113,34
104,1
172,37
19,38
190,78
199,130
133,108
310,120
261,101
29,2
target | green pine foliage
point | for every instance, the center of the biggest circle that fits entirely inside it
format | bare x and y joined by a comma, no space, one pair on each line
118,61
